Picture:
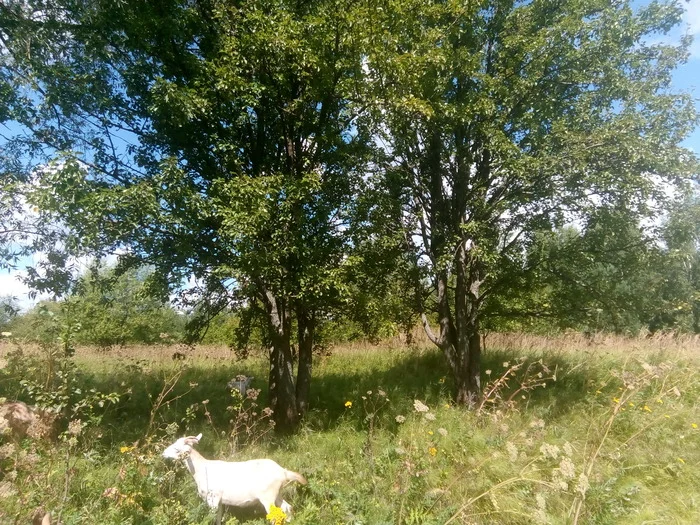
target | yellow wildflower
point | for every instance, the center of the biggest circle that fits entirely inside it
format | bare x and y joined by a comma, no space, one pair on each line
348,404
660,401
276,515
432,451
616,400
694,425
681,460
430,432
646,409
124,450
631,404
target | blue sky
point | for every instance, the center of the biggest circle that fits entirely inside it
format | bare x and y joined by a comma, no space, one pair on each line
686,79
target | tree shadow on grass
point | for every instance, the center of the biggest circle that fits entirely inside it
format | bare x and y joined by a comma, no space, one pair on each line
421,374
424,375
152,399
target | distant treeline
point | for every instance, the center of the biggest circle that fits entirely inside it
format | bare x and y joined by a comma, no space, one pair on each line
651,288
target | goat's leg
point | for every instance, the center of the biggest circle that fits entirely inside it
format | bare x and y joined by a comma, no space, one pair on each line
214,502
268,503
286,508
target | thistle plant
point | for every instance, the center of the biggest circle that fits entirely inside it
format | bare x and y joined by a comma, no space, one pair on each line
249,423
518,378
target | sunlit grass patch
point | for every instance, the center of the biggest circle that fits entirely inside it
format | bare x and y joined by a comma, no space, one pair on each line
612,440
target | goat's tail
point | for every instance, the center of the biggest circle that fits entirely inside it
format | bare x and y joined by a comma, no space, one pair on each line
295,476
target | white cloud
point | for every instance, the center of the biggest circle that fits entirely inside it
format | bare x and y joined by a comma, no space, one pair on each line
11,285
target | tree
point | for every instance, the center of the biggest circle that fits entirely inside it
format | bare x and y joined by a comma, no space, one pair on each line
678,266
610,274
208,139
8,311
502,119
116,310
601,277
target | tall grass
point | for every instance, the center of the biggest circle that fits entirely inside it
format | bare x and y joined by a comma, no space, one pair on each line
611,437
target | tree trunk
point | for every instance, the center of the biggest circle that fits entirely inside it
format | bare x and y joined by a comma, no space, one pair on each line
306,327
468,374
468,362
447,215
460,337
282,388
286,415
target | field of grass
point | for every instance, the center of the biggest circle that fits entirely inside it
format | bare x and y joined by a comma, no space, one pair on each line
573,430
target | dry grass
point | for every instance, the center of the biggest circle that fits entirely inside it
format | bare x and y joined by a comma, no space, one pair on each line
669,345
683,346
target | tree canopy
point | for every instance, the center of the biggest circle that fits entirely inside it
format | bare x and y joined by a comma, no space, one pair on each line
264,149
506,119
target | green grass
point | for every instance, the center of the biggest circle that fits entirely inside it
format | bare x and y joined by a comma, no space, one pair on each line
519,462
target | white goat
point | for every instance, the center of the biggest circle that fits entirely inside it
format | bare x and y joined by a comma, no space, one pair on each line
238,484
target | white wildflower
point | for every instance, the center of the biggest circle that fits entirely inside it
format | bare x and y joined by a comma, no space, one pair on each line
537,423
549,451
541,502
567,468
75,427
512,451
582,485
540,514
419,406
6,450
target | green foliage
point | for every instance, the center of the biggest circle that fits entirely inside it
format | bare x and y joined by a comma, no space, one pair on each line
8,310
214,141
115,309
608,276
311,161
506,121
50,379
105,309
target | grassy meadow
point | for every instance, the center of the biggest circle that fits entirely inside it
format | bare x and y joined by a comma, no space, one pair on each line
572,430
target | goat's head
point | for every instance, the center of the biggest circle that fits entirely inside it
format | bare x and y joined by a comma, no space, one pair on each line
182,447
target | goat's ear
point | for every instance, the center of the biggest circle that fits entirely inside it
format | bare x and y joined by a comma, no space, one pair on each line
198,437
